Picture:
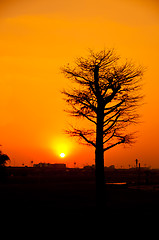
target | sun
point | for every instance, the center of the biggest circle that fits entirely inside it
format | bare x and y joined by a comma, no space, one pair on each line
62,155
61,147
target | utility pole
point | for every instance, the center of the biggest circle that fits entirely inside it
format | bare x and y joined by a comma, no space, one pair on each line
136,162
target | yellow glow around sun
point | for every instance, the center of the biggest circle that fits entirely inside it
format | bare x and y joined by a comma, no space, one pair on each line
62,147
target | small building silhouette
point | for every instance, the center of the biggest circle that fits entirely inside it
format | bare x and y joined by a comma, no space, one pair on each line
55,166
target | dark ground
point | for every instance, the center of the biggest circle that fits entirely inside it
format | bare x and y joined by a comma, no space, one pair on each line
68,197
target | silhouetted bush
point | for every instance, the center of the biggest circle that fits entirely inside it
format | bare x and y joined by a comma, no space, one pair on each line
3,161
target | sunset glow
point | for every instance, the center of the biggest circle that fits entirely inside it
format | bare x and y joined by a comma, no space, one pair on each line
62,155
61,146
37,38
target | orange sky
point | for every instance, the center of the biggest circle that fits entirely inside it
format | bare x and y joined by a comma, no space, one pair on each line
37,37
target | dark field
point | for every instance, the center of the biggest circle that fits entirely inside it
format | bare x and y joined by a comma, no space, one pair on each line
61,195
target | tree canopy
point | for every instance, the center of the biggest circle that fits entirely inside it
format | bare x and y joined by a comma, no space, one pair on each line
107,85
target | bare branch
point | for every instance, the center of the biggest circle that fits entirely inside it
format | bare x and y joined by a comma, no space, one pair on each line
113,145
81,134
127,139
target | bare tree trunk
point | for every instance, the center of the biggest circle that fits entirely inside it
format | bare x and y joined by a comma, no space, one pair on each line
99,162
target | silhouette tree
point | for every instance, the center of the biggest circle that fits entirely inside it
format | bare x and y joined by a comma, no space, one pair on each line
106,93
3,159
